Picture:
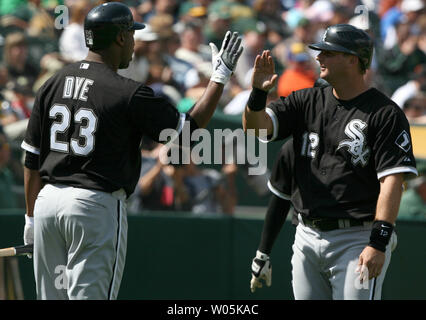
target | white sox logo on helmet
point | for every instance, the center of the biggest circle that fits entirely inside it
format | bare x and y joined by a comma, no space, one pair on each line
357,143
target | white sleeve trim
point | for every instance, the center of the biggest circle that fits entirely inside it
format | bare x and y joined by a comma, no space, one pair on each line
179,127
278,193
274,119
30,148
390,171
181,123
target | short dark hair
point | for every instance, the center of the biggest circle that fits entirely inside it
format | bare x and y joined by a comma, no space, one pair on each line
361,65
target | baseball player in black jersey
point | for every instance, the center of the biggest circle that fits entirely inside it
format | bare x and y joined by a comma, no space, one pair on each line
281,185
352,147
83,159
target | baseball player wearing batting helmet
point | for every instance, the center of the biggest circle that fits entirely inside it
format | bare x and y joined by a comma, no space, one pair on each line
352,147
83,160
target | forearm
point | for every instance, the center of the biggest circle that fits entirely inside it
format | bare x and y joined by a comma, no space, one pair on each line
275,217
257,120
32,186
255,116
205,107
389,198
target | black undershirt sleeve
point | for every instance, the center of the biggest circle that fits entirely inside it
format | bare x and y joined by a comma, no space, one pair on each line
32,161
276,215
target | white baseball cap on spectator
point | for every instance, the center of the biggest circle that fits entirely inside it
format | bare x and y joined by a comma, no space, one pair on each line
320,11
411,5
145,34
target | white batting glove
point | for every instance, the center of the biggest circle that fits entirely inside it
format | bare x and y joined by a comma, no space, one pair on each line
260,269
29,232
225,61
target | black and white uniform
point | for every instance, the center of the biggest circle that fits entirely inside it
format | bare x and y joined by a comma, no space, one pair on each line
86,127
341,150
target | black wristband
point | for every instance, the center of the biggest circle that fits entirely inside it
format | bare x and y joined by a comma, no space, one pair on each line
257,99
380,235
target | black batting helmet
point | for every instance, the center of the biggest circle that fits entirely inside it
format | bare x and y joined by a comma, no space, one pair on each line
349,39
103,23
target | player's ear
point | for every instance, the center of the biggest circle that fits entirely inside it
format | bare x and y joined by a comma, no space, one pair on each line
353,60
120,39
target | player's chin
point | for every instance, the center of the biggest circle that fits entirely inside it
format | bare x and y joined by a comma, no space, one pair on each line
124,65
324,74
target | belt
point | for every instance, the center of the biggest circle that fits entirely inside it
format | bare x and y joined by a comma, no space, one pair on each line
327,224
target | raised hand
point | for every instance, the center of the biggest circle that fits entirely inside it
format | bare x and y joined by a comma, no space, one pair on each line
264,76
225,60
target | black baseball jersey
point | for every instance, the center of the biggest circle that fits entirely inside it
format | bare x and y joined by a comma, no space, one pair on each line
342,149
281,181
87,124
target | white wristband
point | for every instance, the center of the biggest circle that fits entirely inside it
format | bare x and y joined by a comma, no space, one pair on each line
29,220
221,74
262,256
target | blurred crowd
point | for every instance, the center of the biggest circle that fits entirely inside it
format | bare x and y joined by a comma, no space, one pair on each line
172,55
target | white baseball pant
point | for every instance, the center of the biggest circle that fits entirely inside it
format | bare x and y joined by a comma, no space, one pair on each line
80,239
324,264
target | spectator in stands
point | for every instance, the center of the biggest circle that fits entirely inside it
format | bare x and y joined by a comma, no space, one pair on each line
6,113
7,197
277,32
396,64
415,109
184,74
16,110
385,5
190,10
296,12
342,13
38,21
155,189
160,75
219,21
195,84
269,11
303,32
406,11
9,7
16,59
412,88
22,98
391,15
4,77
413,201
300,72
50,63
169,7
321,13
210,191
254,40
72,45
192,48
